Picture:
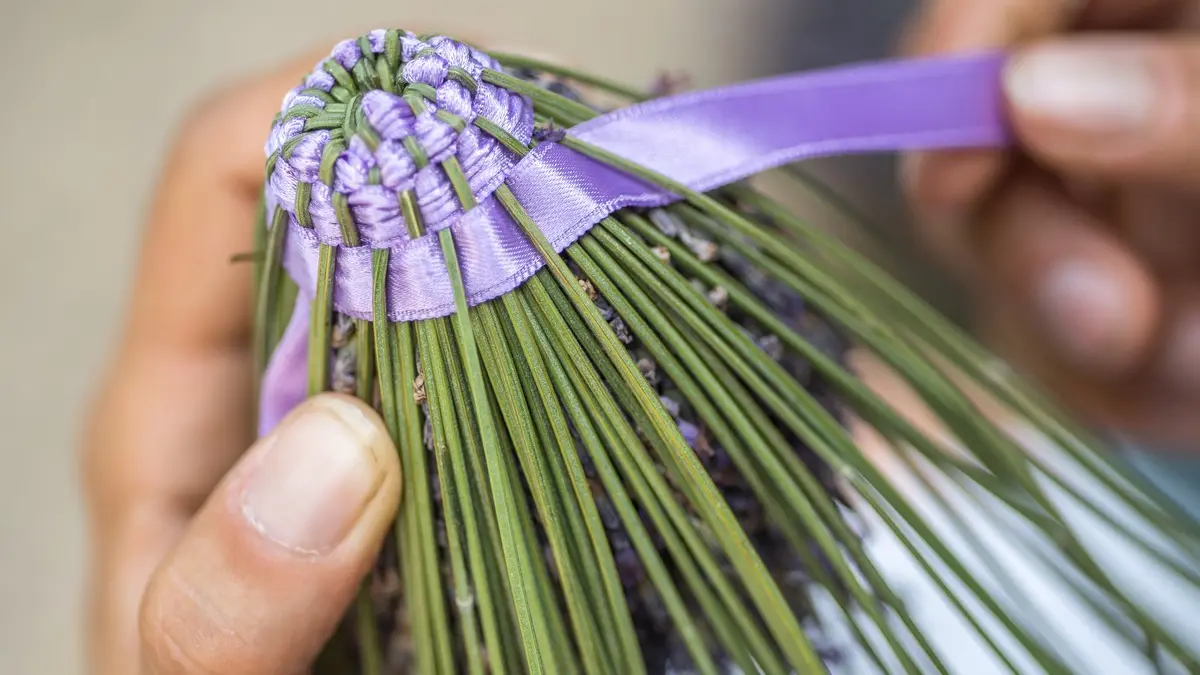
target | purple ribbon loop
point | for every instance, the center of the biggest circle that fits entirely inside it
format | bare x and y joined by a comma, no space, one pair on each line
703,140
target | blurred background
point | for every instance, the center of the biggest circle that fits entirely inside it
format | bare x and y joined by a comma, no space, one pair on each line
97,90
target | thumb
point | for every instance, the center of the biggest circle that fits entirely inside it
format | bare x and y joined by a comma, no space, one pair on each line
268,567
1118,107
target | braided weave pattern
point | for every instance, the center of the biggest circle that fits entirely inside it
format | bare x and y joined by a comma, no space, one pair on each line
380,117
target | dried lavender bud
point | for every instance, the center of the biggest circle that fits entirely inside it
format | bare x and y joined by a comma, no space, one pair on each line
606,310
666,222
691,432
608,513
343,373
585,460
622,331
549,133
343,331
772,346
419,389
719,297
671,405
385,586
702,248
649,370
435,487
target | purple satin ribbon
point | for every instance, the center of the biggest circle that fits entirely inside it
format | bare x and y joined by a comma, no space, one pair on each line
704,140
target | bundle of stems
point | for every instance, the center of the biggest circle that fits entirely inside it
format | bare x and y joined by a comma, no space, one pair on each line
642,459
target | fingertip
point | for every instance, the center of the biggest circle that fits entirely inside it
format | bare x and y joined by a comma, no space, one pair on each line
1098,311
280,549
1091,302
327,470
363,421
1177,367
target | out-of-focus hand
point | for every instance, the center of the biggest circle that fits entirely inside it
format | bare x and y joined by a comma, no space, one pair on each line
207,558
1083,249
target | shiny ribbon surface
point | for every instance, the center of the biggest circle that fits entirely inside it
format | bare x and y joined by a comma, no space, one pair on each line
703,140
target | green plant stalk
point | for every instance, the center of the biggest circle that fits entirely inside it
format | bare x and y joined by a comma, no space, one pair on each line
520,544
709,409
506,631
447,449
818,359
469,363
501,490
803,508
412,510
370,650
579,400
731,621
516,408
573,531
833,446
595,555
269,273
419,507
708,500
948,340
969,425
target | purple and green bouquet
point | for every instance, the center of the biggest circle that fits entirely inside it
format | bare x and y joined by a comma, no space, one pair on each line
616,373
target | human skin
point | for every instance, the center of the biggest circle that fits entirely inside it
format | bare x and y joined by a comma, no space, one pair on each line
1082,249
201,548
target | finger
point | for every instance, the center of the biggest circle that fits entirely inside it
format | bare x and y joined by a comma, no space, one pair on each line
183,369
942,187
1177,366
1138,405
1081,291
175,408
1117,107
269,565
954,25
1160,226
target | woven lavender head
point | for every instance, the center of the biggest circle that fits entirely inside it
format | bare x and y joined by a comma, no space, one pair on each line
628,463
395,138
391,114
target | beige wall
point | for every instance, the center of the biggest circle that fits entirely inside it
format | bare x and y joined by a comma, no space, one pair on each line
93,89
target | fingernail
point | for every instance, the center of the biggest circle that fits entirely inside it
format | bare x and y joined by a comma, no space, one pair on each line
1180,365
1098,90
1082,310
316,477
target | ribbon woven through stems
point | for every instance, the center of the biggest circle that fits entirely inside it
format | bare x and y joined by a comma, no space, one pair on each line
477,251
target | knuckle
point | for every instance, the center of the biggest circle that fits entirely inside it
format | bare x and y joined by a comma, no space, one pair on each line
183,631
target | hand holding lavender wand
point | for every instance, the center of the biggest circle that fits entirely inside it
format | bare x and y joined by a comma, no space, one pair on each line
202,567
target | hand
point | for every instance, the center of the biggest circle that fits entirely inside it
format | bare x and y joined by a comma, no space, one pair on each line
203,562
1083,249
